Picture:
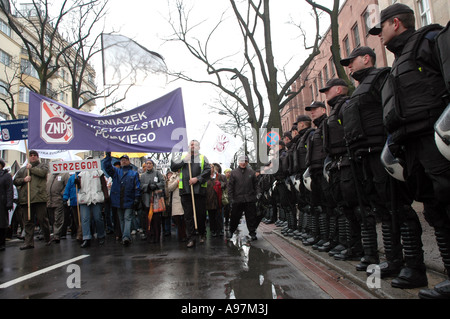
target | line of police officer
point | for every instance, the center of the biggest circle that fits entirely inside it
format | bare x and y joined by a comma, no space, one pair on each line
347,173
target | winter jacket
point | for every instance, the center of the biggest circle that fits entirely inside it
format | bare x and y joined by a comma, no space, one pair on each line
215,187
6,197
243,185
38,183
56,184
147,178
126,187
177,209
91,192
70,191
200,169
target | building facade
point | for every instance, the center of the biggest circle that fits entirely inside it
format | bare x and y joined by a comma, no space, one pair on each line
16,71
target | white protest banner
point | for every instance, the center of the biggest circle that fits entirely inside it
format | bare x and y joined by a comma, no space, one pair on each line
75,166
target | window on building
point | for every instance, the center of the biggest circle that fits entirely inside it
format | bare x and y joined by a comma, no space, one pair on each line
320,79
27,68
24,94
316,88
325,72
3,88
3,116
333,68
312,92
356,39
5,58
425,12
4,27
347,46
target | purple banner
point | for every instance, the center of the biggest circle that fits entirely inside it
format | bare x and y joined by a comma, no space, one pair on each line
156,127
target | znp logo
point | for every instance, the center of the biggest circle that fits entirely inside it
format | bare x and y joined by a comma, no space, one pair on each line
56,126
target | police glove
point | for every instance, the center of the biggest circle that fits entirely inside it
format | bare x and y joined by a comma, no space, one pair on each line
152,187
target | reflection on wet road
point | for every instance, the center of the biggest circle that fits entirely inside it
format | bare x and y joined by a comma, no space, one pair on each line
218,269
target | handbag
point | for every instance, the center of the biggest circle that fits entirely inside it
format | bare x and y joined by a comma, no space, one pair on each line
159,202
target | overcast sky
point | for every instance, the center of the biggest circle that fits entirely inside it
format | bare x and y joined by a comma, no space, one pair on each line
145,22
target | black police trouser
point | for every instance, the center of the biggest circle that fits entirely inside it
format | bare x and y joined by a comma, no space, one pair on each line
249,209
429,174
200,213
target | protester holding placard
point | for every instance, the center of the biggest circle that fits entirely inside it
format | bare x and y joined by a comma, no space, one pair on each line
33,176
6,201
91,199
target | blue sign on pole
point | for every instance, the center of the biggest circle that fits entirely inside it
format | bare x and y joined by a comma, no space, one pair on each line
14,130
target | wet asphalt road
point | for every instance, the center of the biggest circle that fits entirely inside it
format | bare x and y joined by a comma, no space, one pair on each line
217,269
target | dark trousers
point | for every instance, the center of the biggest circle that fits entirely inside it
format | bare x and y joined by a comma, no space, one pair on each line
200,210
249,209
181,226
38,211
155,228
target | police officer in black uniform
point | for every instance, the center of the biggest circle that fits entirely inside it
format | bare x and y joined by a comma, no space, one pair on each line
303,128
341,234
414,97
303,199
279,168
315,159
290,207
365,135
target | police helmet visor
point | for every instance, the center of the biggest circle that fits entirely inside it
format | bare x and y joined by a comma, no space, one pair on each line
442,125
392,164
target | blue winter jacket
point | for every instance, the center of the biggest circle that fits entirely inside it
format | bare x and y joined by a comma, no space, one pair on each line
125,188
70,191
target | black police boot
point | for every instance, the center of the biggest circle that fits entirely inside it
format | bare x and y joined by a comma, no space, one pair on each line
413,275
323,229
298,231
392,248
315,233
294,226
286,228
306,225
341,234
369,241
354,249
332,234
442,289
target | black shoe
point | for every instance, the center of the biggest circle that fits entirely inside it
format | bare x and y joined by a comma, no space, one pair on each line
101,241
126,242
410,278
366,261
440,291
348,254
336,250
86,243
24,247
388,269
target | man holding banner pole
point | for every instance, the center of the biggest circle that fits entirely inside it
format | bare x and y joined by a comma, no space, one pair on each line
195,171
36,181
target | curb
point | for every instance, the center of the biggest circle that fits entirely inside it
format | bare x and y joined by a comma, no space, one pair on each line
348,271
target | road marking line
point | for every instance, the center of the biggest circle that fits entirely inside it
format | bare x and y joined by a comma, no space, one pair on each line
40,272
